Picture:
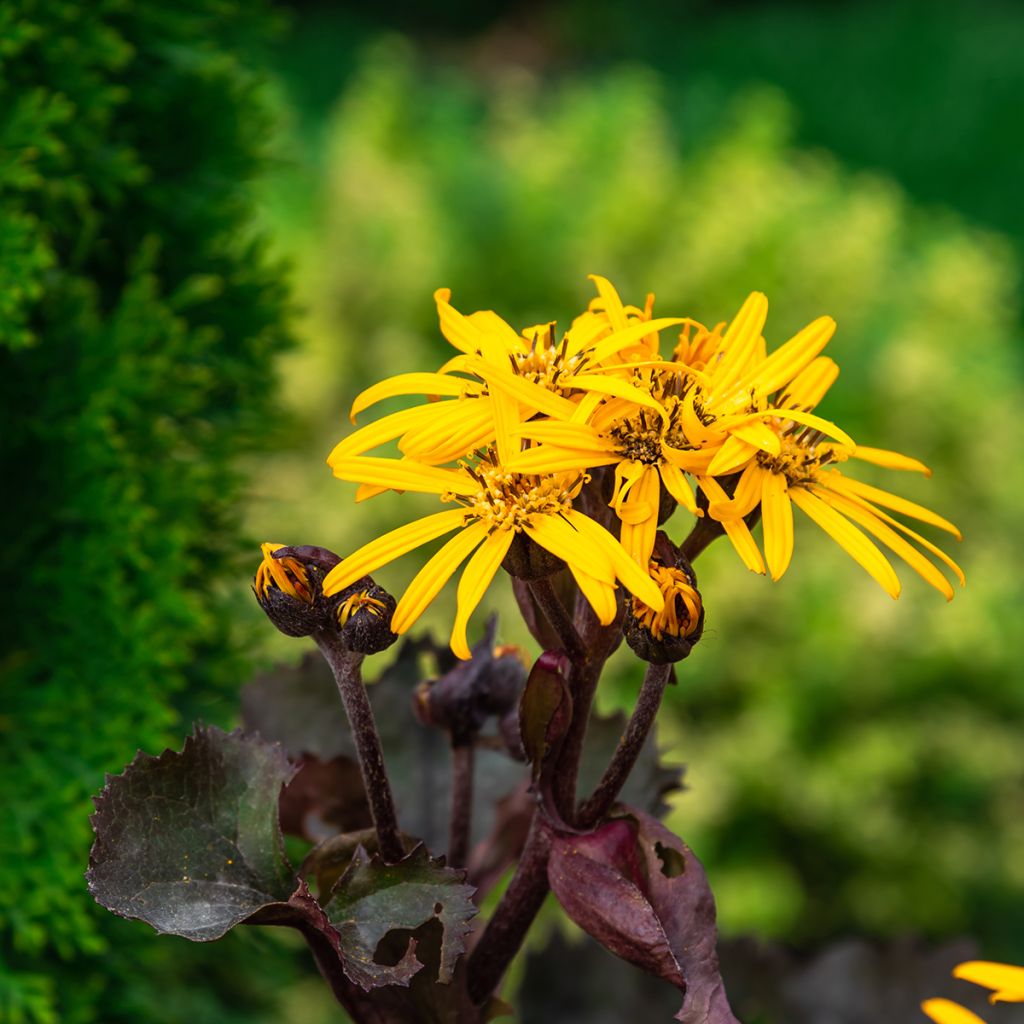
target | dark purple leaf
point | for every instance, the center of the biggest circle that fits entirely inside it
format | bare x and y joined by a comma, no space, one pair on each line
189,842
640,891
373,900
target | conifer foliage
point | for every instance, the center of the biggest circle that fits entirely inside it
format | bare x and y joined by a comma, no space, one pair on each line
139,314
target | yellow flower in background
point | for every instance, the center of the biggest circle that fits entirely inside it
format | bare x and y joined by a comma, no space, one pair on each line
1005,980
494,505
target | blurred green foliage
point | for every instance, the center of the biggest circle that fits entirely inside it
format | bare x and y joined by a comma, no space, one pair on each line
139,314
855,763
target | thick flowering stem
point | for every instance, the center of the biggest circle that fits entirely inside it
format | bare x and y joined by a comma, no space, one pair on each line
560,619
632,742
599,642
462,804
345,664
513,916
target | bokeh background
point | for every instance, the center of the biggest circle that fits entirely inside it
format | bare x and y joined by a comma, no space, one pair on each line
220,220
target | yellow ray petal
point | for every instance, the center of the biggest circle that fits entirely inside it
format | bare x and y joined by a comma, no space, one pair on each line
600,595
475,580
403,474
892,540
744,498
740,341
505,413
616,342
777,517
735,529
792,357
381,431
612,303
890,460
679,487
637,535
934,549
808,419
562,539
408,384
733,455
587,406
579,436
365,491
627,472
850,539
838,482
391,546
489,322
1006,979
466,336
535,397
945,1011
605,385
690,460
552,459
634,579
758,434
427,583
453,426
810,386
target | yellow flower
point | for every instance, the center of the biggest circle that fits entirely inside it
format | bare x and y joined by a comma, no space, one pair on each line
1005,980
509,378
493,506
802,473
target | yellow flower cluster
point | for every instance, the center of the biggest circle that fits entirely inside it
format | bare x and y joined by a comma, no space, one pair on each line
517,423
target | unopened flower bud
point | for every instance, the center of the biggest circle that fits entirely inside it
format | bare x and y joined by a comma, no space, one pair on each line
666,636
285,592
363,612
289,588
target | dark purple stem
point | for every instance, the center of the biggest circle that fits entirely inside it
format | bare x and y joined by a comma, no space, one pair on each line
560,620
462,804
599,641
346,668
513,916
632,742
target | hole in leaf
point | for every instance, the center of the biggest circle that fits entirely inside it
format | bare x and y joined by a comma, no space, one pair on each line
673,864
438,907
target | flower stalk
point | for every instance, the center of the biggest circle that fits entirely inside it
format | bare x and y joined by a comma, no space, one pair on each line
346,666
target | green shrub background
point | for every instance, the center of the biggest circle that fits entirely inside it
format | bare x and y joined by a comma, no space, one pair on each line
139,314
854,765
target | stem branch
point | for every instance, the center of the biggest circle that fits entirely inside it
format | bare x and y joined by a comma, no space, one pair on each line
626,753
346,668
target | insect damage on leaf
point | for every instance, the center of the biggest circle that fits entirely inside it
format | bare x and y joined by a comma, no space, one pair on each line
373,899
640,891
